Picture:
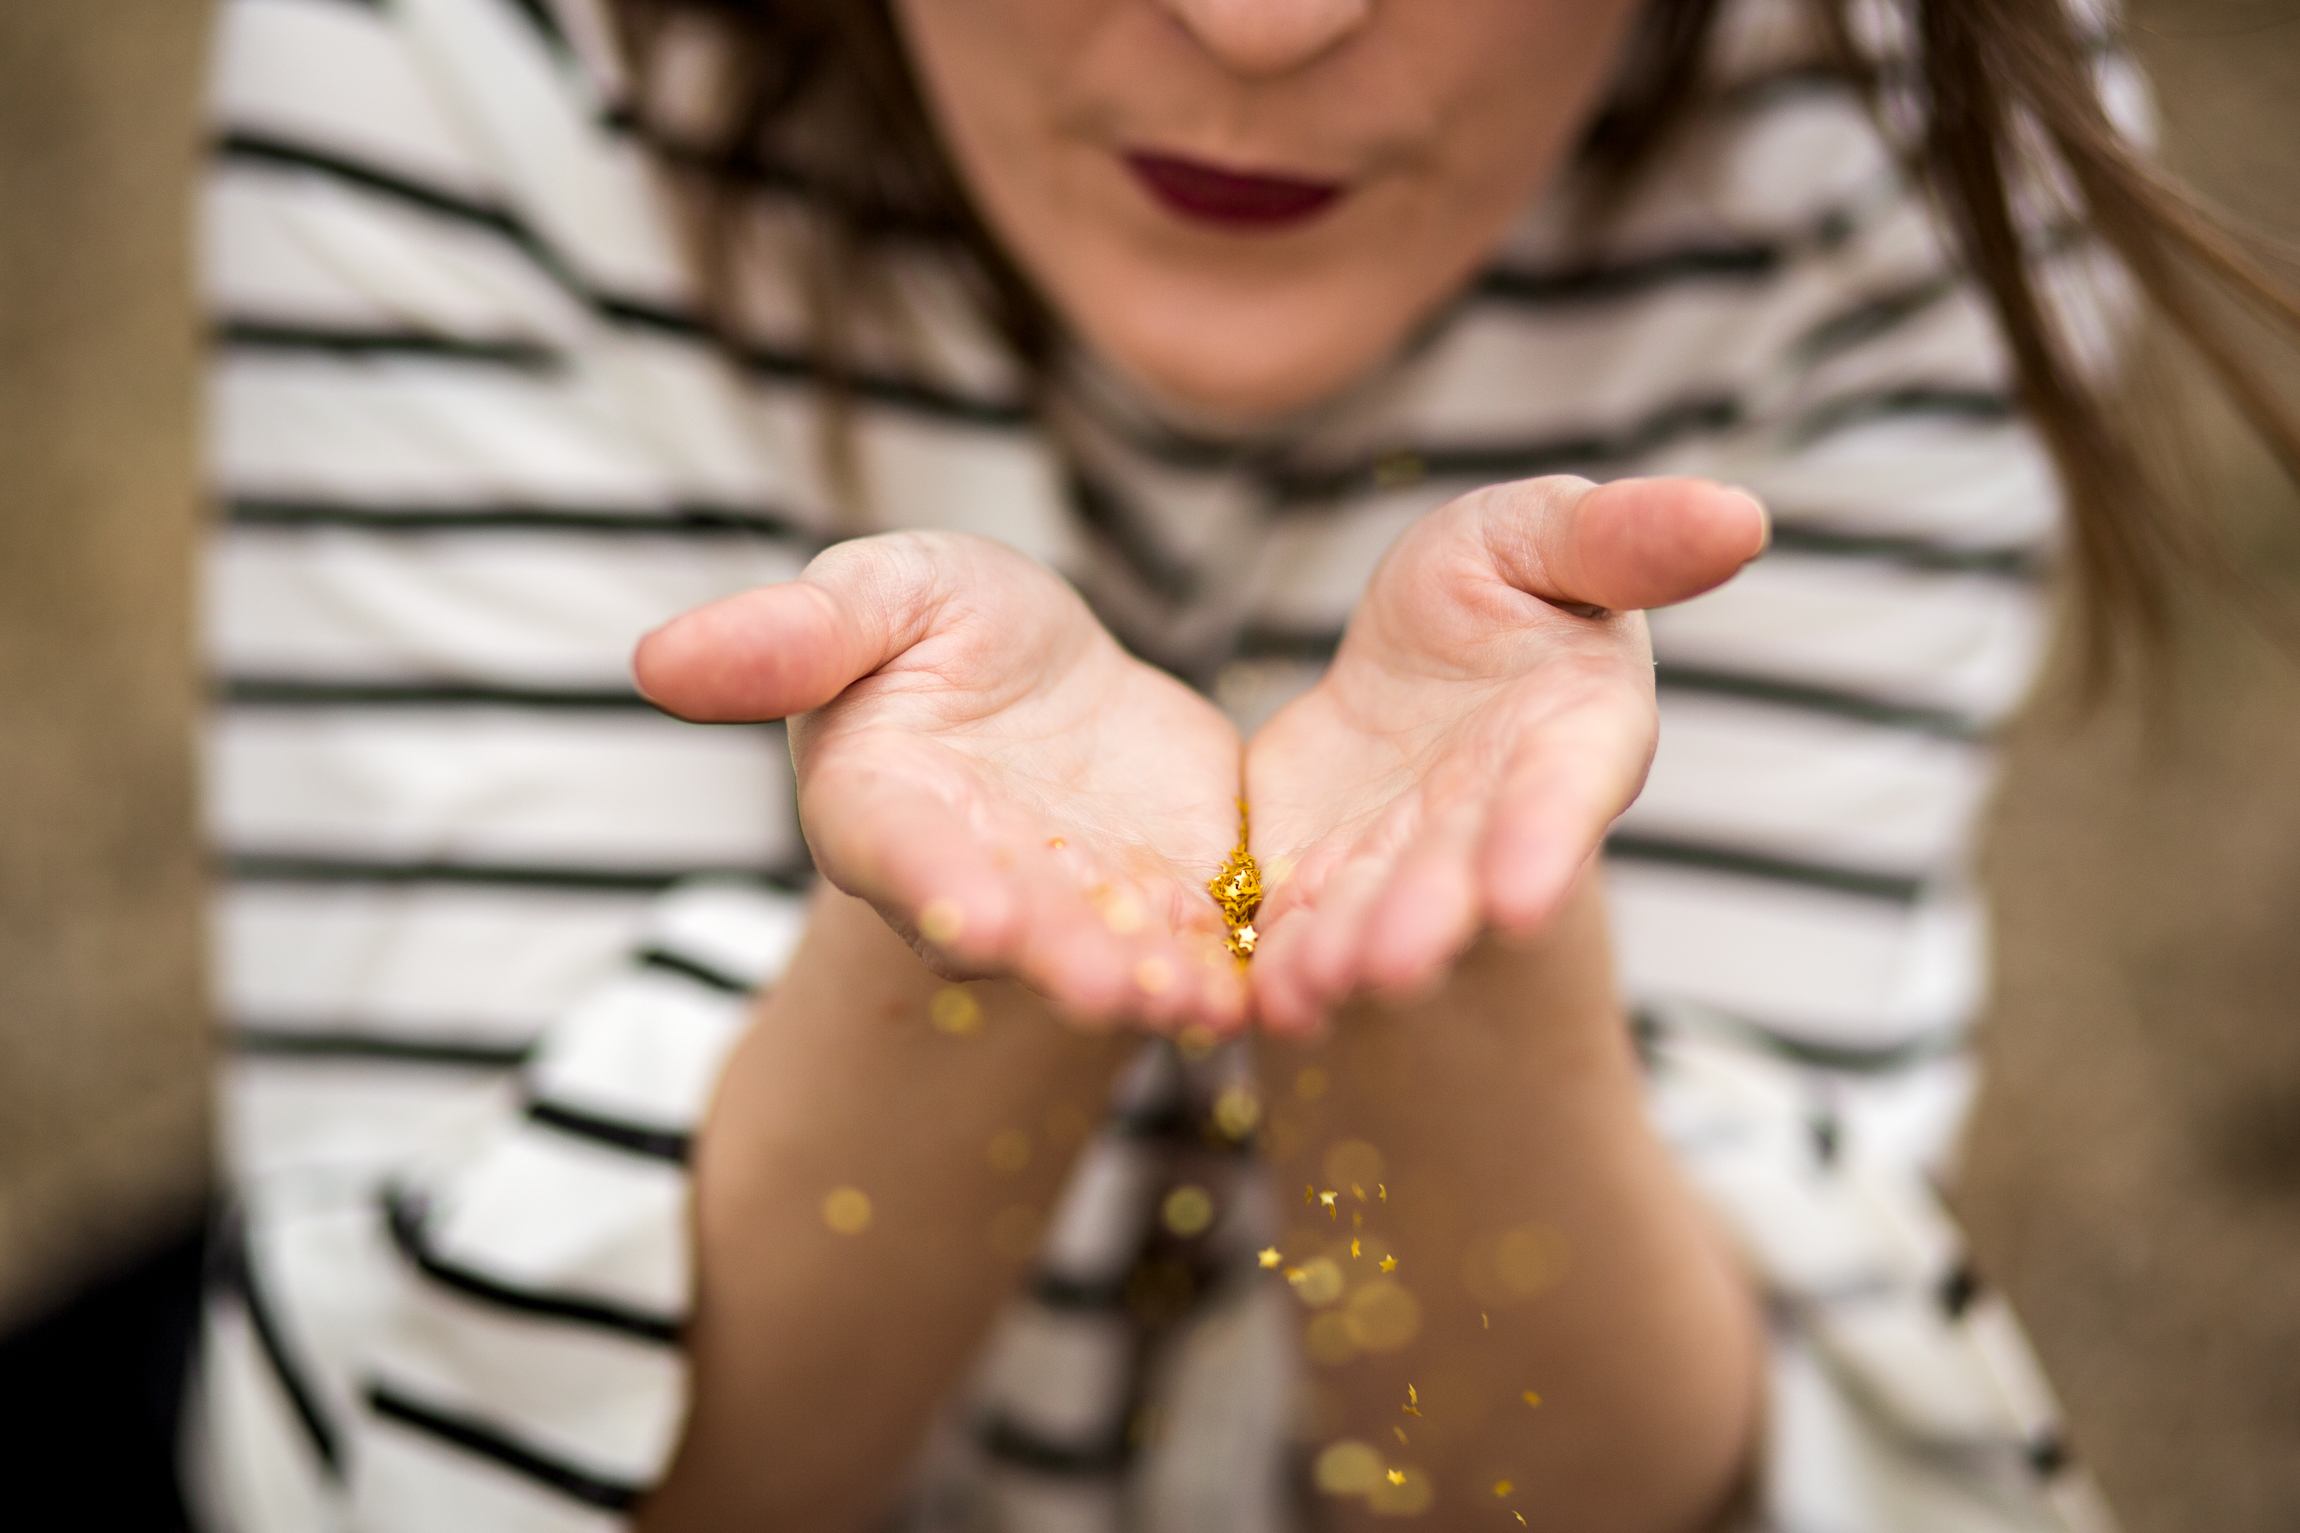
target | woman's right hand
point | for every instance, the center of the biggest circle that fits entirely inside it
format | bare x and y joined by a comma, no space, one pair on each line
977,758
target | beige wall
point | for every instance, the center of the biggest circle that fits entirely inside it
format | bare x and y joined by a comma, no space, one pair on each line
103,1056
2134,1173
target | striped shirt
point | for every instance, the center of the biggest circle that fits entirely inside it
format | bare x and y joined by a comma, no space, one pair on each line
488,922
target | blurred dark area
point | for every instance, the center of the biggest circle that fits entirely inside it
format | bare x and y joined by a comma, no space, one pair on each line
2132,1178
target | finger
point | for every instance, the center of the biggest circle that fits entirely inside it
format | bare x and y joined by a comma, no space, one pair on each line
1623,546
784,649
1428,910
1553,807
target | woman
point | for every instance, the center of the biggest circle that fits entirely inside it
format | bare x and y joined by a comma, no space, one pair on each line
1270,327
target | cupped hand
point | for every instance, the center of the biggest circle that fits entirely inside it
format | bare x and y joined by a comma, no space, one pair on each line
978,759
1488,715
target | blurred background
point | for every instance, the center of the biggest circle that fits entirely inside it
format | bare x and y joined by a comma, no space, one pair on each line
2132,1177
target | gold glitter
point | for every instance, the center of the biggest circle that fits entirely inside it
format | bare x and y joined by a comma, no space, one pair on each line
1236,1111
1389,1264
955,1011
1531,1398
1237,888
1402,1439
1332,1207
1383,1316
1187,1211
1269,1256
846,1210
941,920
1484,1320
1502,1487
1355,1253
1521,1522
1348,1469
1056,844
1407,1493
1317,1282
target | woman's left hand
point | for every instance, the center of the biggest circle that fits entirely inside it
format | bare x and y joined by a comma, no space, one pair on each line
1488,715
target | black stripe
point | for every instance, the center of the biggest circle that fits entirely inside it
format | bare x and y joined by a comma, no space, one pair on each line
283,336
1672,677
1915,399
1959,1286
1748,262
241,146
1799,1049
670,1145
236,1274
695,969
339,1043
1585,450
2048,1455
1263,641
487,1441
686,521
1072,1295
1872,318
291,868
1793,536
404,1216
538,15
1629,846
1100,510
1016,1446
763,360
287,692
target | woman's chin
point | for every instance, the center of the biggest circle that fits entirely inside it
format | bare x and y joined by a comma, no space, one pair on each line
1238,379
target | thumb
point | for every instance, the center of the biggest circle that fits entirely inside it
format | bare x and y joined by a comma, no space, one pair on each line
1629,544
787,648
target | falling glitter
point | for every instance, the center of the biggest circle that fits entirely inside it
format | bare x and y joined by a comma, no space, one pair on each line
1531,1398
847,1210
955,1011
1237,888
1389,1264
1502,1487
1269,1256
1397,1477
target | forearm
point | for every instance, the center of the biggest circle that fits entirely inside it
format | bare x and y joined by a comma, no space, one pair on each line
1546,1241
819,1357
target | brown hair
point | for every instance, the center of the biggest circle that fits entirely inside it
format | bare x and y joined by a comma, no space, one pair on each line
820,97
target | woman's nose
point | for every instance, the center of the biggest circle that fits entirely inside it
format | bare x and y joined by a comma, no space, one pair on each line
1269,37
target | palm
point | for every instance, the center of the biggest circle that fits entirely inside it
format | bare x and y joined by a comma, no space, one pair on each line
1009,788
1457,765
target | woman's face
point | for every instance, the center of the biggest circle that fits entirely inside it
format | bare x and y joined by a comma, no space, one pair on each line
1248,204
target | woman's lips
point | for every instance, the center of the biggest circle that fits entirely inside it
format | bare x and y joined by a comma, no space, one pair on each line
1212,195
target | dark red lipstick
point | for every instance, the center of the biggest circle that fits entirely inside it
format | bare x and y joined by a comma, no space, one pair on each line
1213,195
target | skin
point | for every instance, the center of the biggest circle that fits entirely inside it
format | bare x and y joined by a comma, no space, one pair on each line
1442,133
997,794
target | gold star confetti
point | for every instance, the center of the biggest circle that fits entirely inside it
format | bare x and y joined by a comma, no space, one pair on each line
1397,1477
1187,1211
1531,1398
1484,1321
1401,1431
1332,1207
1237,888
1384,1191
1354,1252
1521,1522
1502,1487
1389,1264
846,1210
1413,1405
1270,1256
